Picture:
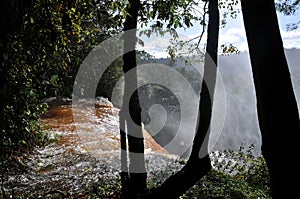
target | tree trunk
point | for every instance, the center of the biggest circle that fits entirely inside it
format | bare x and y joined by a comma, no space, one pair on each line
131,111
276,102
198,163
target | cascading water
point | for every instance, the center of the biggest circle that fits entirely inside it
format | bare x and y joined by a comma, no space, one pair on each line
86,151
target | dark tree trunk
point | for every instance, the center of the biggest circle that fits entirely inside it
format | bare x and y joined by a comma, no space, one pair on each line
276,102
198,163
131,112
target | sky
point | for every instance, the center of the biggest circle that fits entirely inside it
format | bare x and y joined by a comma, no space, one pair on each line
234,32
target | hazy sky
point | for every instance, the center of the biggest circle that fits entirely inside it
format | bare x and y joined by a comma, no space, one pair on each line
234,32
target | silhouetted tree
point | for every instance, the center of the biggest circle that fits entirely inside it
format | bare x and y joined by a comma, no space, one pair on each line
198,163
276,103
135,180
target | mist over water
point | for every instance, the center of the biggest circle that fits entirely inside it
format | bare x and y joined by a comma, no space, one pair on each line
241,122
240,125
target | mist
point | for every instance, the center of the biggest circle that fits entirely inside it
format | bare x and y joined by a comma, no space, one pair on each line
234,119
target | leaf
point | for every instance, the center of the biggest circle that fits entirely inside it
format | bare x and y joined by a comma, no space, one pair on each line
54,79
176,23
27,129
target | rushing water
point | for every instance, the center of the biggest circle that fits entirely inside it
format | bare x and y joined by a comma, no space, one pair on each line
86,151
95,132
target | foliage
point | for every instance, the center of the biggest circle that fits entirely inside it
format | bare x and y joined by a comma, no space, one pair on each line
43,57
250,172
229,49
174,13
234,175
245,177
51,40
109,79
171,15
228,8
289,7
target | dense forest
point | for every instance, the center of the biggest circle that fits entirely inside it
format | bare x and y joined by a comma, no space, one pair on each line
44,44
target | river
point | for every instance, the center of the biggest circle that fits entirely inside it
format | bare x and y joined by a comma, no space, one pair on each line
86,152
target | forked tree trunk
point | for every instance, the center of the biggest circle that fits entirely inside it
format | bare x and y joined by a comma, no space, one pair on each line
276,102
198,164
134,181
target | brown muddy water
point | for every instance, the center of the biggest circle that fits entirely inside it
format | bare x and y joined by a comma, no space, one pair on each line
86,152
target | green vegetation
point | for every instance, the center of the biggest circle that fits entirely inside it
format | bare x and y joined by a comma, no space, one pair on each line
234,175
43,44
41,60
247,177
40,56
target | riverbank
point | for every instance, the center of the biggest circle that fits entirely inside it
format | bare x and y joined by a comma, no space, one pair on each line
84,162
85,154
